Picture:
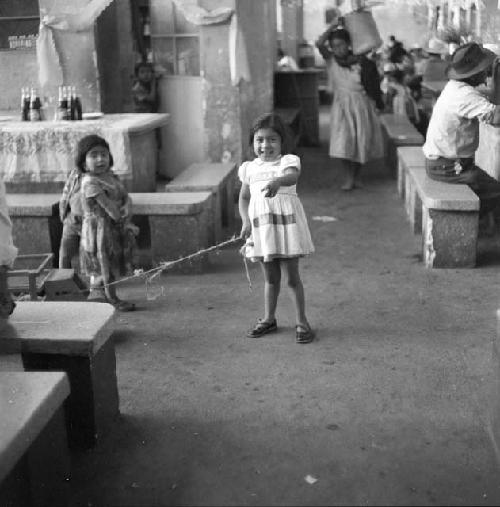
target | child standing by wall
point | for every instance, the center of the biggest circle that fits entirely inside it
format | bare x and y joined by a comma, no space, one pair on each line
274,222
355,132
106,214
144,89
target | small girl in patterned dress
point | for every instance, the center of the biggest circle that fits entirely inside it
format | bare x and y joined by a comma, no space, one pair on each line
274,222
106,228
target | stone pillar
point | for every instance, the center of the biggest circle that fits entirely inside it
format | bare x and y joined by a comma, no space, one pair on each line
115,57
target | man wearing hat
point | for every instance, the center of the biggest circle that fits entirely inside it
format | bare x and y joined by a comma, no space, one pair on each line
453,132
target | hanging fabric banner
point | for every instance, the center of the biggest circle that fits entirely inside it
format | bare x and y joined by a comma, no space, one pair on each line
56,18
238,56
200,16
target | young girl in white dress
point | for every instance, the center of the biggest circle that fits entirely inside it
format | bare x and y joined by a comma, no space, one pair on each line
274,222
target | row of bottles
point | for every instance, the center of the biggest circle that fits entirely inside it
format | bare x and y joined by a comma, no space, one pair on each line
31,105
69,105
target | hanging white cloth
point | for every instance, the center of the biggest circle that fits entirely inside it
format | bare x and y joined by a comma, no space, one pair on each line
60,18
200,16
238,55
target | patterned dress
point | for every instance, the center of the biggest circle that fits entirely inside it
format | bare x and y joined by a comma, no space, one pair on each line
355,132
104,246
279,224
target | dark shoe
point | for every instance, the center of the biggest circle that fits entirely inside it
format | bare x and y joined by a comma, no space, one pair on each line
262,328
122,306
303,334
96,295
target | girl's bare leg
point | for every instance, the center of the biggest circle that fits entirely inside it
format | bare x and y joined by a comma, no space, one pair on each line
296,291
348,171
272,277
358,183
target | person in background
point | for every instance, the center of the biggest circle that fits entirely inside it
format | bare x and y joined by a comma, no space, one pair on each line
8,253
106,227
274,223
400,100
395,50
71,214
453,133
355,131
419,58
286,62
434,68
145,89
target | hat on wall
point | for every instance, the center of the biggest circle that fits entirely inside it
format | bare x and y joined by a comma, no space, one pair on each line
468,60
437,47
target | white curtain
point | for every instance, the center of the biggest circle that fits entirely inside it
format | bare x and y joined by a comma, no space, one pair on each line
200,16
59,17
238,56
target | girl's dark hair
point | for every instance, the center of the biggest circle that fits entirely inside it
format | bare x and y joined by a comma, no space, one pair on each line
275,122
85,145
139,65
340,33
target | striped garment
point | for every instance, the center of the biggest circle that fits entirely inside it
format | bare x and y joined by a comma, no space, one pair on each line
279,224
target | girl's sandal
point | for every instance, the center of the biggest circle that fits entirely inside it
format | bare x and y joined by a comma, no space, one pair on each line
261,328
303,334
122,306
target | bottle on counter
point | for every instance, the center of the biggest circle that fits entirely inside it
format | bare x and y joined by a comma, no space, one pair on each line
25,104
35,111
62,104
75,105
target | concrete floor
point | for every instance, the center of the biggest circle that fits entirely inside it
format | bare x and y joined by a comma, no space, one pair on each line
390,406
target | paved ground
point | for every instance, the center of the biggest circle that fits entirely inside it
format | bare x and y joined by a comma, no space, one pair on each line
388,407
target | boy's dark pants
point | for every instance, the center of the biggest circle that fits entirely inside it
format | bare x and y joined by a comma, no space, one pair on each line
485,187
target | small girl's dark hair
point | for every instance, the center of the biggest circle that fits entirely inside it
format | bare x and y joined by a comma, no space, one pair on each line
275,122
85,145
340,33
139,65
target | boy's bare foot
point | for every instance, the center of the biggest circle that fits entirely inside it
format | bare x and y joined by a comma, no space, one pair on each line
347,186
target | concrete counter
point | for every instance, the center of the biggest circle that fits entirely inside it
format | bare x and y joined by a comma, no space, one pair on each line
36,157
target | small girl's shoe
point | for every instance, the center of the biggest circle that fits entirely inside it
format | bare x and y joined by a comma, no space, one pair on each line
122,306
261,328
303,334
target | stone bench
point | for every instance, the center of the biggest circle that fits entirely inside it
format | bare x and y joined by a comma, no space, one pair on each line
220,180
178,224
494,388
74,337
410,157
33,217
450,217
34,458
398,131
